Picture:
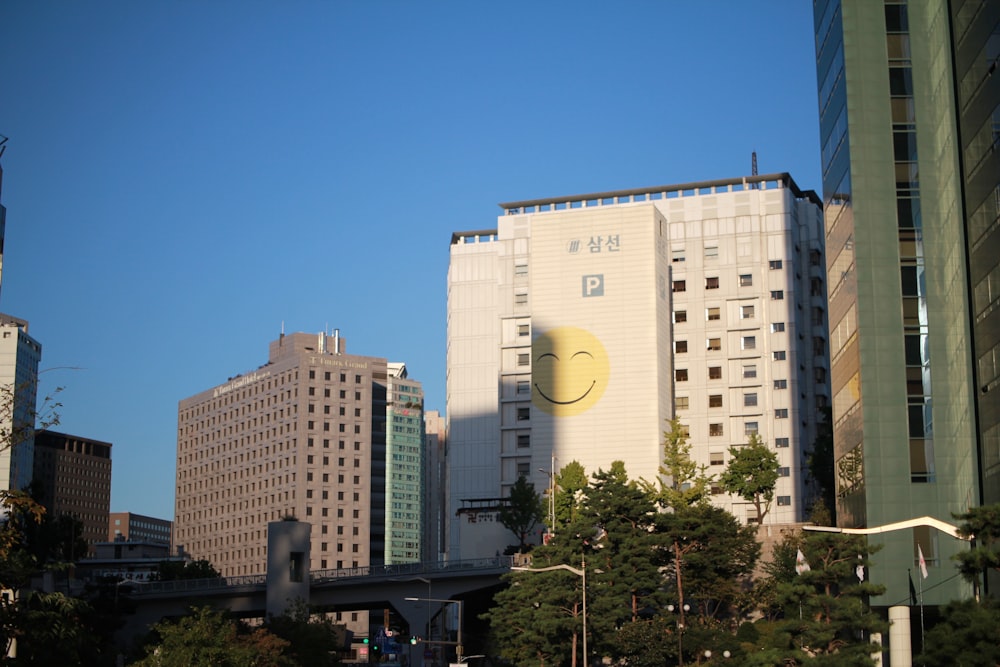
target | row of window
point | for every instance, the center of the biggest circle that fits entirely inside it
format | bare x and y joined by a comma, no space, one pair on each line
715,344
715,373
715,401
713,283
678,255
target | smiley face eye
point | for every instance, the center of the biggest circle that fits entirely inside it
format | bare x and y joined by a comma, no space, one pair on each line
576,354
549,354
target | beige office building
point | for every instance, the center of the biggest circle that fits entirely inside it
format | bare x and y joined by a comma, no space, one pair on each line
75,478
580,325
304,436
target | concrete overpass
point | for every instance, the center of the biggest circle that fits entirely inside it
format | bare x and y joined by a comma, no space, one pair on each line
348,589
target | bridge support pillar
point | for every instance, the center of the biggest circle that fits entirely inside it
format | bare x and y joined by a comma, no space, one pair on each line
287,565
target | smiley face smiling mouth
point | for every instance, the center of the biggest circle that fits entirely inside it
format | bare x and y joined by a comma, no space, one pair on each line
582,396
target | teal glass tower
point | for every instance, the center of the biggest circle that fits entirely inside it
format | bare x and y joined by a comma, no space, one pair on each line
910,123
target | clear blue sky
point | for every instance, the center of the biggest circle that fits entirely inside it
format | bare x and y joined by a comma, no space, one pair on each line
183,177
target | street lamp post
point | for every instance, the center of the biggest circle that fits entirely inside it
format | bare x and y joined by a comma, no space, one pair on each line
551,472
581,572
680,631
458,637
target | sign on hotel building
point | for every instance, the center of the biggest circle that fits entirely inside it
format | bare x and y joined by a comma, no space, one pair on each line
580,325
302,436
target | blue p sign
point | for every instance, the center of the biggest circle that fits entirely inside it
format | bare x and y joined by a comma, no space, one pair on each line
593,285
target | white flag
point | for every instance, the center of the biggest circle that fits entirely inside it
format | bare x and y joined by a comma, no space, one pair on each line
800,562
860,570
922,562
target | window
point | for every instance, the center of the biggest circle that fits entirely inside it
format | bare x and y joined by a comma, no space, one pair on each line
783,471
784,501
777,295
523,330
748,343
681,375
781,413
777,327
521,299
779,355
520,269
523,359
715,429
819,346
781,384
712,252
715,344
523,387
750,428
715,372
774,264
717,490
713,314
746,279
677,255
750,400
820,374
715,401
523,469
712,283
680,316
746,312
749,371
680,346
523,414
716,458
678,286
523,440
680,403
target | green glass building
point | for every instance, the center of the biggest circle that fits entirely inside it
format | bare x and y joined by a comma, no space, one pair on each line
910,123
404,467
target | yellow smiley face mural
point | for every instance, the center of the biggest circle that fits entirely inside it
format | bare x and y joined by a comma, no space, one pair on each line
569,373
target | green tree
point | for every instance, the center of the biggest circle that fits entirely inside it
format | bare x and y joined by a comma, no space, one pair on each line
966,636
206,638
619,547
522,512
170,570
682,481
313,639
571,481
752,474
982,524
826,618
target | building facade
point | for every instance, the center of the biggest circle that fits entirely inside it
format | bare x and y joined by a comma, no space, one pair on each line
580,325
404,463
909,120
435,487
129,527
302,436
20,355
74,474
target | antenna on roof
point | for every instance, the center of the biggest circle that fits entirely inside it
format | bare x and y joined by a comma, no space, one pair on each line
753,168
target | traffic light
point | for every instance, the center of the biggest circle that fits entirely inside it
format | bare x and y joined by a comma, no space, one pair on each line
415,640
365,641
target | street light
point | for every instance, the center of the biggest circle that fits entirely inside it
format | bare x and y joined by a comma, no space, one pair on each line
680,631
581,572
551,472
458,644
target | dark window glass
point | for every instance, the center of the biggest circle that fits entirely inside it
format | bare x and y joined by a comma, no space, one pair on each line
908,213
912,347
900,82
896,19
908,275
904,144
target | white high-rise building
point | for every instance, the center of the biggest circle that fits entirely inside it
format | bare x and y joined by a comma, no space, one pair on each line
580,325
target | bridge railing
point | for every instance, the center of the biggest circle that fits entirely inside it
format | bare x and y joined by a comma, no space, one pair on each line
257,581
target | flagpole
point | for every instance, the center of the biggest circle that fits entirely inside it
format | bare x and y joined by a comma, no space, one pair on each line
921,580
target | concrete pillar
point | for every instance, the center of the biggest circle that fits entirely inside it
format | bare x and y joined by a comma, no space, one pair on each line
900,654
287,565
